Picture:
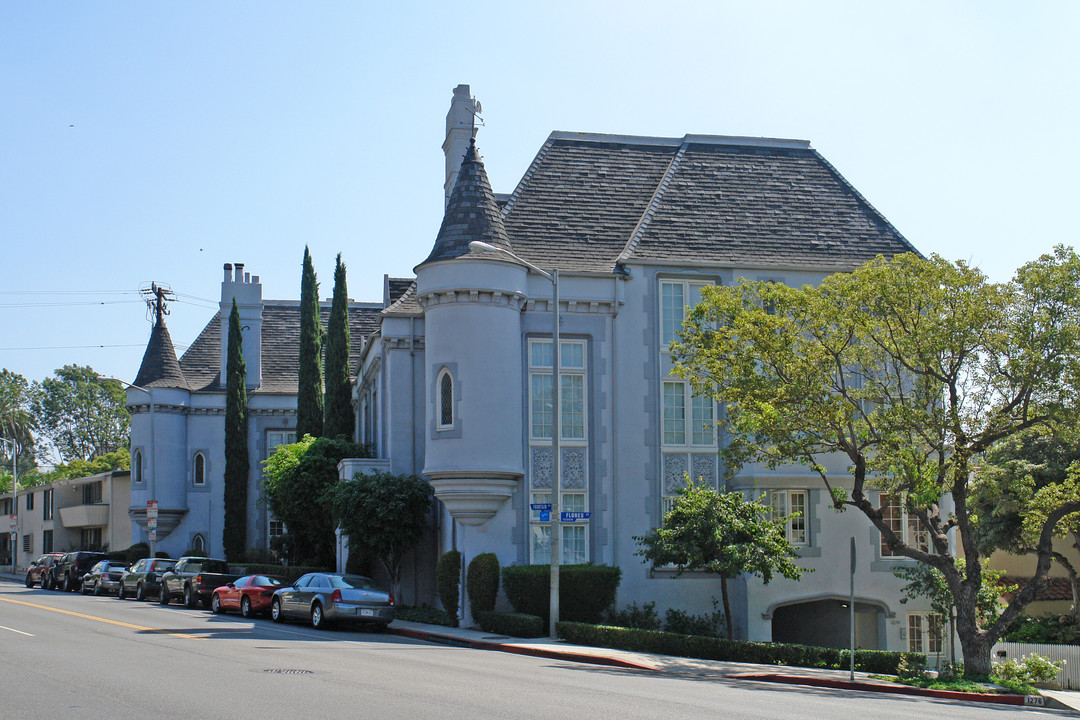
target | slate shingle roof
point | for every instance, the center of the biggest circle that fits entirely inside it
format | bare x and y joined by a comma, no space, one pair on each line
471,213
280,346
395,288
159,367
590,201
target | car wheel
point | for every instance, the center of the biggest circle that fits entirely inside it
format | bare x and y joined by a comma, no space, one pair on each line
245,607
83,589
29,581
215,604
46,583
69,585
120,592
97,588
275,611
318,620
190,598
140,593
163,595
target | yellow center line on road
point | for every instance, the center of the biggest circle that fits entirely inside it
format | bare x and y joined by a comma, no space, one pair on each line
101,619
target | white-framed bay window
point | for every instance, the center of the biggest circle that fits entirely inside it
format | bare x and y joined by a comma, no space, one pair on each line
573,442
792,505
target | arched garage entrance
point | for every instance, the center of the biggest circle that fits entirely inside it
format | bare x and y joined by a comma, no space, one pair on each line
826,623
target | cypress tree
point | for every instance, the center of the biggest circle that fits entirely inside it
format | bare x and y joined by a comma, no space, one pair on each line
339,419
237,463
309,400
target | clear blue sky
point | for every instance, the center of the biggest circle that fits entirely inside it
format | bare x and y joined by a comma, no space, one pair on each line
155,141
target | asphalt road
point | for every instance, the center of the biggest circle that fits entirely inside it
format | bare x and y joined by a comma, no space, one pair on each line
71,656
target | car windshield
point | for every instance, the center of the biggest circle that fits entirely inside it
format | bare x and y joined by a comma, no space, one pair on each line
266,581
352,581
164,565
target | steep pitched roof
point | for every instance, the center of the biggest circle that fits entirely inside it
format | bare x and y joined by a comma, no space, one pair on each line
280,345
471,214
588,202
159,367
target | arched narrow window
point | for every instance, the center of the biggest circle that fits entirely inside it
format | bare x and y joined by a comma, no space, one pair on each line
198,470
136,467
446,400
198,544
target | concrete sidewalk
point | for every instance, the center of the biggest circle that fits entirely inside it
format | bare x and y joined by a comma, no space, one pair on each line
691,667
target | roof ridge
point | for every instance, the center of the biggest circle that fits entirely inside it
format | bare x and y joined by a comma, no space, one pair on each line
533,167
650,209
864,201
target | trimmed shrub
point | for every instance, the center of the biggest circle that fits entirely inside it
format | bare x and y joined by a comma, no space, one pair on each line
711,648
512,624
448,579
482,582
425,614
643,618
585,591
686,623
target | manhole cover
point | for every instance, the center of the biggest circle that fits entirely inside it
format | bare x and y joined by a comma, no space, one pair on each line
287,671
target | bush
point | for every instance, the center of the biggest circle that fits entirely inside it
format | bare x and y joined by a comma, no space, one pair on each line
512,624
585,591
448,580
425,614
713,648
684,623
643,618
911,667
1046,629
1020,676
482,582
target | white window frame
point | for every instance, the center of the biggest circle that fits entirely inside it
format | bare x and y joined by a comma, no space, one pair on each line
672,316
282,436
443,376
782,505
904,525
574,378
919,636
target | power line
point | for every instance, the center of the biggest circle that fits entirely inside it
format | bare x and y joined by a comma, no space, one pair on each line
67,304
69,347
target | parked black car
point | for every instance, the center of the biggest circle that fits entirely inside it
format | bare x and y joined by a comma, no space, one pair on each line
144,578
104,577
68,572
194,579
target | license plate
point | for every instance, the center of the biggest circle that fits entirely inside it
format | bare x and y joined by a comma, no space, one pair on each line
366,613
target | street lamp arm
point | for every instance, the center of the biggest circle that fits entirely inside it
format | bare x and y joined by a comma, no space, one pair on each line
480,245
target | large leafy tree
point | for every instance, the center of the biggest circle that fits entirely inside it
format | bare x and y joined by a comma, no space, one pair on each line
724,534
17,423
384,516
912,369
80,415
237,460
339,419
295,481
309,400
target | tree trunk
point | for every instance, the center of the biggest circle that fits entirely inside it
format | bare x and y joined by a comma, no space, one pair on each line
727,607
975,643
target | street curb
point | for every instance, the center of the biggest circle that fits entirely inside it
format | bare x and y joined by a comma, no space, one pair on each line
894,689
518,649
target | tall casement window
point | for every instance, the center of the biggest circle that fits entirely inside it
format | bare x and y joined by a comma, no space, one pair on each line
275,438
446,400
926,633
46,541
47,506
198,544
792,505
91,493
905,526
573,442
687,421
137,467
198,470
29,501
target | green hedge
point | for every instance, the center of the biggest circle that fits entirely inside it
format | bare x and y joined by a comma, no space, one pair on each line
448,580
482,582
425,614
585,591
512,624
288,572
709,648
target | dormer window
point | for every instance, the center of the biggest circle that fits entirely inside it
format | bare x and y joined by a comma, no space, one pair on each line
446,400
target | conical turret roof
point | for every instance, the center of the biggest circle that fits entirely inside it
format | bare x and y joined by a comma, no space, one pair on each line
159,366
471,214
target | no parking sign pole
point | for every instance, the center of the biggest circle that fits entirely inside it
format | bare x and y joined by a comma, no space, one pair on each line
852,671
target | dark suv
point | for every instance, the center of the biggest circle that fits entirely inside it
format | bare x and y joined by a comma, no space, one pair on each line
68,572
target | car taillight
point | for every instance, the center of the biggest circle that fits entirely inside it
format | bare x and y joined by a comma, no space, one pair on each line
198,579
391,600
335,597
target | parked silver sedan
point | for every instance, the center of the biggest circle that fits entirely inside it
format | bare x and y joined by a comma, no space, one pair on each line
324,598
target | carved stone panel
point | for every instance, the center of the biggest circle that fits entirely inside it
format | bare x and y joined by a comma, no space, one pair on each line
675,470
573,468
541,467
705,468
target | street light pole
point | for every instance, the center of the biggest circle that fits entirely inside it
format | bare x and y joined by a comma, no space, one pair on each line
151,482
556,429
14,497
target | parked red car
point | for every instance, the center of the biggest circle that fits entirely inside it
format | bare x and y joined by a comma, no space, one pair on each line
250,595
39,569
